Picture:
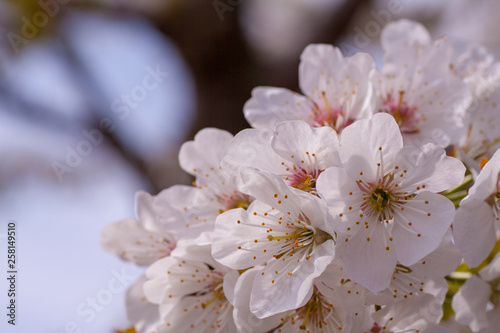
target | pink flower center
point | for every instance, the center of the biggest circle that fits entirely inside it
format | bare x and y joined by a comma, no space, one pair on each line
405,115
304,180
327,115
236,200
375,328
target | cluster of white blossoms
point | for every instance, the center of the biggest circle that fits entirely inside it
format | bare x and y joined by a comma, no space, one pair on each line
354,206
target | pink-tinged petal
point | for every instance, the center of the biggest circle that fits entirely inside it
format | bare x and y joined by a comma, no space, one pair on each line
239,239
306,146
486,182
470,302
130,241
210,145
474,232
270,106
368,258
145,316
492,271
428,168
420,226
245,320
292,285
370,142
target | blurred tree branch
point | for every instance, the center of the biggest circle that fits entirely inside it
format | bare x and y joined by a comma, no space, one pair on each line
221,62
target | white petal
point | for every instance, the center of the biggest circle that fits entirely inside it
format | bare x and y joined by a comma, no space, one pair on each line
404,33
145,316
335,186
272,190
366,260
486,182
443,101
411,315
337,83
252,148
274,293
307,145
440,262
246,321
229,284
188,315
205,152
270,106
492,271
419,228
239,237
185,211
469,303
428,165
368,142
129,240
318,60
474,232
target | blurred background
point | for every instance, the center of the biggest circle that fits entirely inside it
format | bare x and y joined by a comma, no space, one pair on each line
97,96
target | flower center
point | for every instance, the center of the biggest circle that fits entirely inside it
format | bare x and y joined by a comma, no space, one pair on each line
304,180
237,200
218,293
335,117
375,328
406,116
315,311
380,199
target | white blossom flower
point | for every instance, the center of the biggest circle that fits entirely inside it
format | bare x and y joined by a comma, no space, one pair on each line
476,221
428,103
295,151
141,241
281,229
190,289
337,92
384,200
477,302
